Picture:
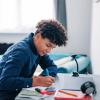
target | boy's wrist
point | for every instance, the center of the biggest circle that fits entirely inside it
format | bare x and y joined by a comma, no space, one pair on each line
34,80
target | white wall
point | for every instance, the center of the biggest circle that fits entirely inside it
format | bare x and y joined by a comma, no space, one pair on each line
95,42
79,23
79,26
11,37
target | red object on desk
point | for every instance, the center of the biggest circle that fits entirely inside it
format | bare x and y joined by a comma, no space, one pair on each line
45,91
71,95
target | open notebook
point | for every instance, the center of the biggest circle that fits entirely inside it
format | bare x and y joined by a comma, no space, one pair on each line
30,93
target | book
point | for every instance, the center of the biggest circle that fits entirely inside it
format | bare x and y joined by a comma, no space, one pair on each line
71,95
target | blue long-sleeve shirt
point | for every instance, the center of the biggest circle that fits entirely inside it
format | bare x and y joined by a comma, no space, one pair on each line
18,65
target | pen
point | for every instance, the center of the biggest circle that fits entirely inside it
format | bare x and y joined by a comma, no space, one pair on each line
71,94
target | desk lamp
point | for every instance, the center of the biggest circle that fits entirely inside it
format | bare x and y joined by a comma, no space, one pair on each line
76,73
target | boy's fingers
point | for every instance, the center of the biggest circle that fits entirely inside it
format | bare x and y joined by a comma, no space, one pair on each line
51,78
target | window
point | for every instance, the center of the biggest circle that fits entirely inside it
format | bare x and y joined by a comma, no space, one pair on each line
22,15
8,15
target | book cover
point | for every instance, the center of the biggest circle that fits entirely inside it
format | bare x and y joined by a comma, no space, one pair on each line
71,95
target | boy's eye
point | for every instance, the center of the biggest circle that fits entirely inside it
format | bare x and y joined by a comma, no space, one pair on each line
48,45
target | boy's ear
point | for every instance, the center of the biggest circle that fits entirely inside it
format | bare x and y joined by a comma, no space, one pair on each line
38,35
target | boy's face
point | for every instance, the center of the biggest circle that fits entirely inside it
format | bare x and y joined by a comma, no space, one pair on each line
43,45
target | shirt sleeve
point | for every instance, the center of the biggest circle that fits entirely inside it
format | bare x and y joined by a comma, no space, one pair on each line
10,76
46,62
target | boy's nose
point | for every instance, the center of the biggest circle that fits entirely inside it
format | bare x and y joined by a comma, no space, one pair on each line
48,50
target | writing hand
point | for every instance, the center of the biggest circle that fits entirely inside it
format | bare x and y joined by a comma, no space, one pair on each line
42,80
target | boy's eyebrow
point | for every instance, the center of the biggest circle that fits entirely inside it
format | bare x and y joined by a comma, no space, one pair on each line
53,45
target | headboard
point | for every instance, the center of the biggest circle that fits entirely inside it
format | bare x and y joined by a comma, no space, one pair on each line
4,47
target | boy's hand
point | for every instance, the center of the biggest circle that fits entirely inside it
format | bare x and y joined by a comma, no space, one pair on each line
42,80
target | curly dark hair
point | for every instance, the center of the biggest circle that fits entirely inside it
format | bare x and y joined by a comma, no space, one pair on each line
52,30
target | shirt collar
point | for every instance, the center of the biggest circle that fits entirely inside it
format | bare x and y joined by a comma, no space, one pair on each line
31,42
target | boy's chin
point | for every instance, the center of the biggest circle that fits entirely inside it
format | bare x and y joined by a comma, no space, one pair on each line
41,54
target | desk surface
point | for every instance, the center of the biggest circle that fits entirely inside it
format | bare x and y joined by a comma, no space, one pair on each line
67,81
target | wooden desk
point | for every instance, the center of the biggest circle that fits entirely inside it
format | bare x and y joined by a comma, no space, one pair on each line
67,81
